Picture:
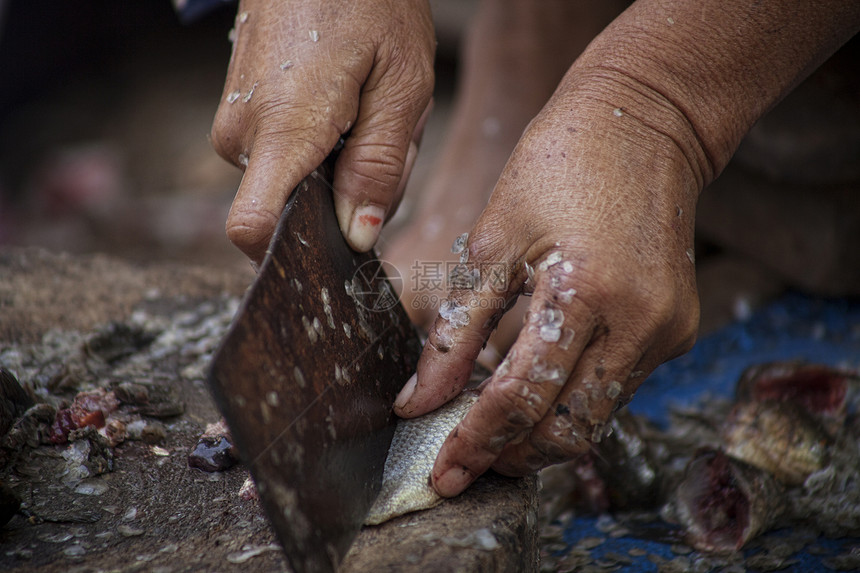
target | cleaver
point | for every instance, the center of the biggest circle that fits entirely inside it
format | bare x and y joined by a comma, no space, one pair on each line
307,375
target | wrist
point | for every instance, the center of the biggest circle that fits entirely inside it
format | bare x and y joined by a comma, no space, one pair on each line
641,118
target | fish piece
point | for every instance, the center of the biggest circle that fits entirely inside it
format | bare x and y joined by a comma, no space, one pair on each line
89,408
215,450
406,477
627,464
779,437
156,400
723,502
830,497
621,472
822,391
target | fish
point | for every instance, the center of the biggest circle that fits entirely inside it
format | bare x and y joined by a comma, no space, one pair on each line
779,437
628,464
784,449
723,502
621,472
406,485
824,392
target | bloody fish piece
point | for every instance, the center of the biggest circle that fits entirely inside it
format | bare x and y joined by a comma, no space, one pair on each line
64,424
87,409
820,390
621,472
723,502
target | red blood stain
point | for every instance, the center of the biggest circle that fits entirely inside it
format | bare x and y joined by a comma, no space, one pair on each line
369,220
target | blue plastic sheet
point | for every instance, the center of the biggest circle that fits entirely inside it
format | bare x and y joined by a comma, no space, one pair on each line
795,327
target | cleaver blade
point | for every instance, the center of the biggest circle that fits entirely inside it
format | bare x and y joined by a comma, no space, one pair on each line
307,375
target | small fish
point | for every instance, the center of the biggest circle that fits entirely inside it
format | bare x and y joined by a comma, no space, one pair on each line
406,476
723,502
786,450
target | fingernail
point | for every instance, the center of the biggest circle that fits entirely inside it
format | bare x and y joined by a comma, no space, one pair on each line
453,481
365,227
406,392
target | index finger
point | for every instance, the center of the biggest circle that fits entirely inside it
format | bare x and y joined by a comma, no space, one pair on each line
481,293
526,384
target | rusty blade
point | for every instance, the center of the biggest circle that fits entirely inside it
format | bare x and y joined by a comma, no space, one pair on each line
306,378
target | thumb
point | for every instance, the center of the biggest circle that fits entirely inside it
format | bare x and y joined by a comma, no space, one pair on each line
269,178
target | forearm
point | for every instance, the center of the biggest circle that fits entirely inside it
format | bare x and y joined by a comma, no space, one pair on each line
703,72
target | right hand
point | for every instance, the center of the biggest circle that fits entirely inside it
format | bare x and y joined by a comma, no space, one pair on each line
302,74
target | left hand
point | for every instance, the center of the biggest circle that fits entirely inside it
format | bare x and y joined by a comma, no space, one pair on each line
602,208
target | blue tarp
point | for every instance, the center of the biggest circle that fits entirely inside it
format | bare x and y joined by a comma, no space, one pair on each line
795,327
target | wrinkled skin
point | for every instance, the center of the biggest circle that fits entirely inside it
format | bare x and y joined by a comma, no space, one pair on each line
598,197
317,70
628,303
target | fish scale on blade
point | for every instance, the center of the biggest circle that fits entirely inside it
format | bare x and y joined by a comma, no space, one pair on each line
406,478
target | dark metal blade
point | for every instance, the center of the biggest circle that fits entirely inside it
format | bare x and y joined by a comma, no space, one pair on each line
306,378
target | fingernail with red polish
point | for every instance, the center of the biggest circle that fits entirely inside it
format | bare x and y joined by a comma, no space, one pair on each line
406,392
365,227
453,481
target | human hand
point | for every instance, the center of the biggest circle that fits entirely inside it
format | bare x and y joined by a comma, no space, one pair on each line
594,213
302,74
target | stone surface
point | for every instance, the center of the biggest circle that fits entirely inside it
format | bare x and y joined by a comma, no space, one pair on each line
40,290
153,512
491,527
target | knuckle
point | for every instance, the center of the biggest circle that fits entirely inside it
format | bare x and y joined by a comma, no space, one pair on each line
425,81
520,405
688,330
476,439
661,312
409,84
521,465
444,337
490,244
676,317
225,140
378,165
303,135
562,438
556,449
